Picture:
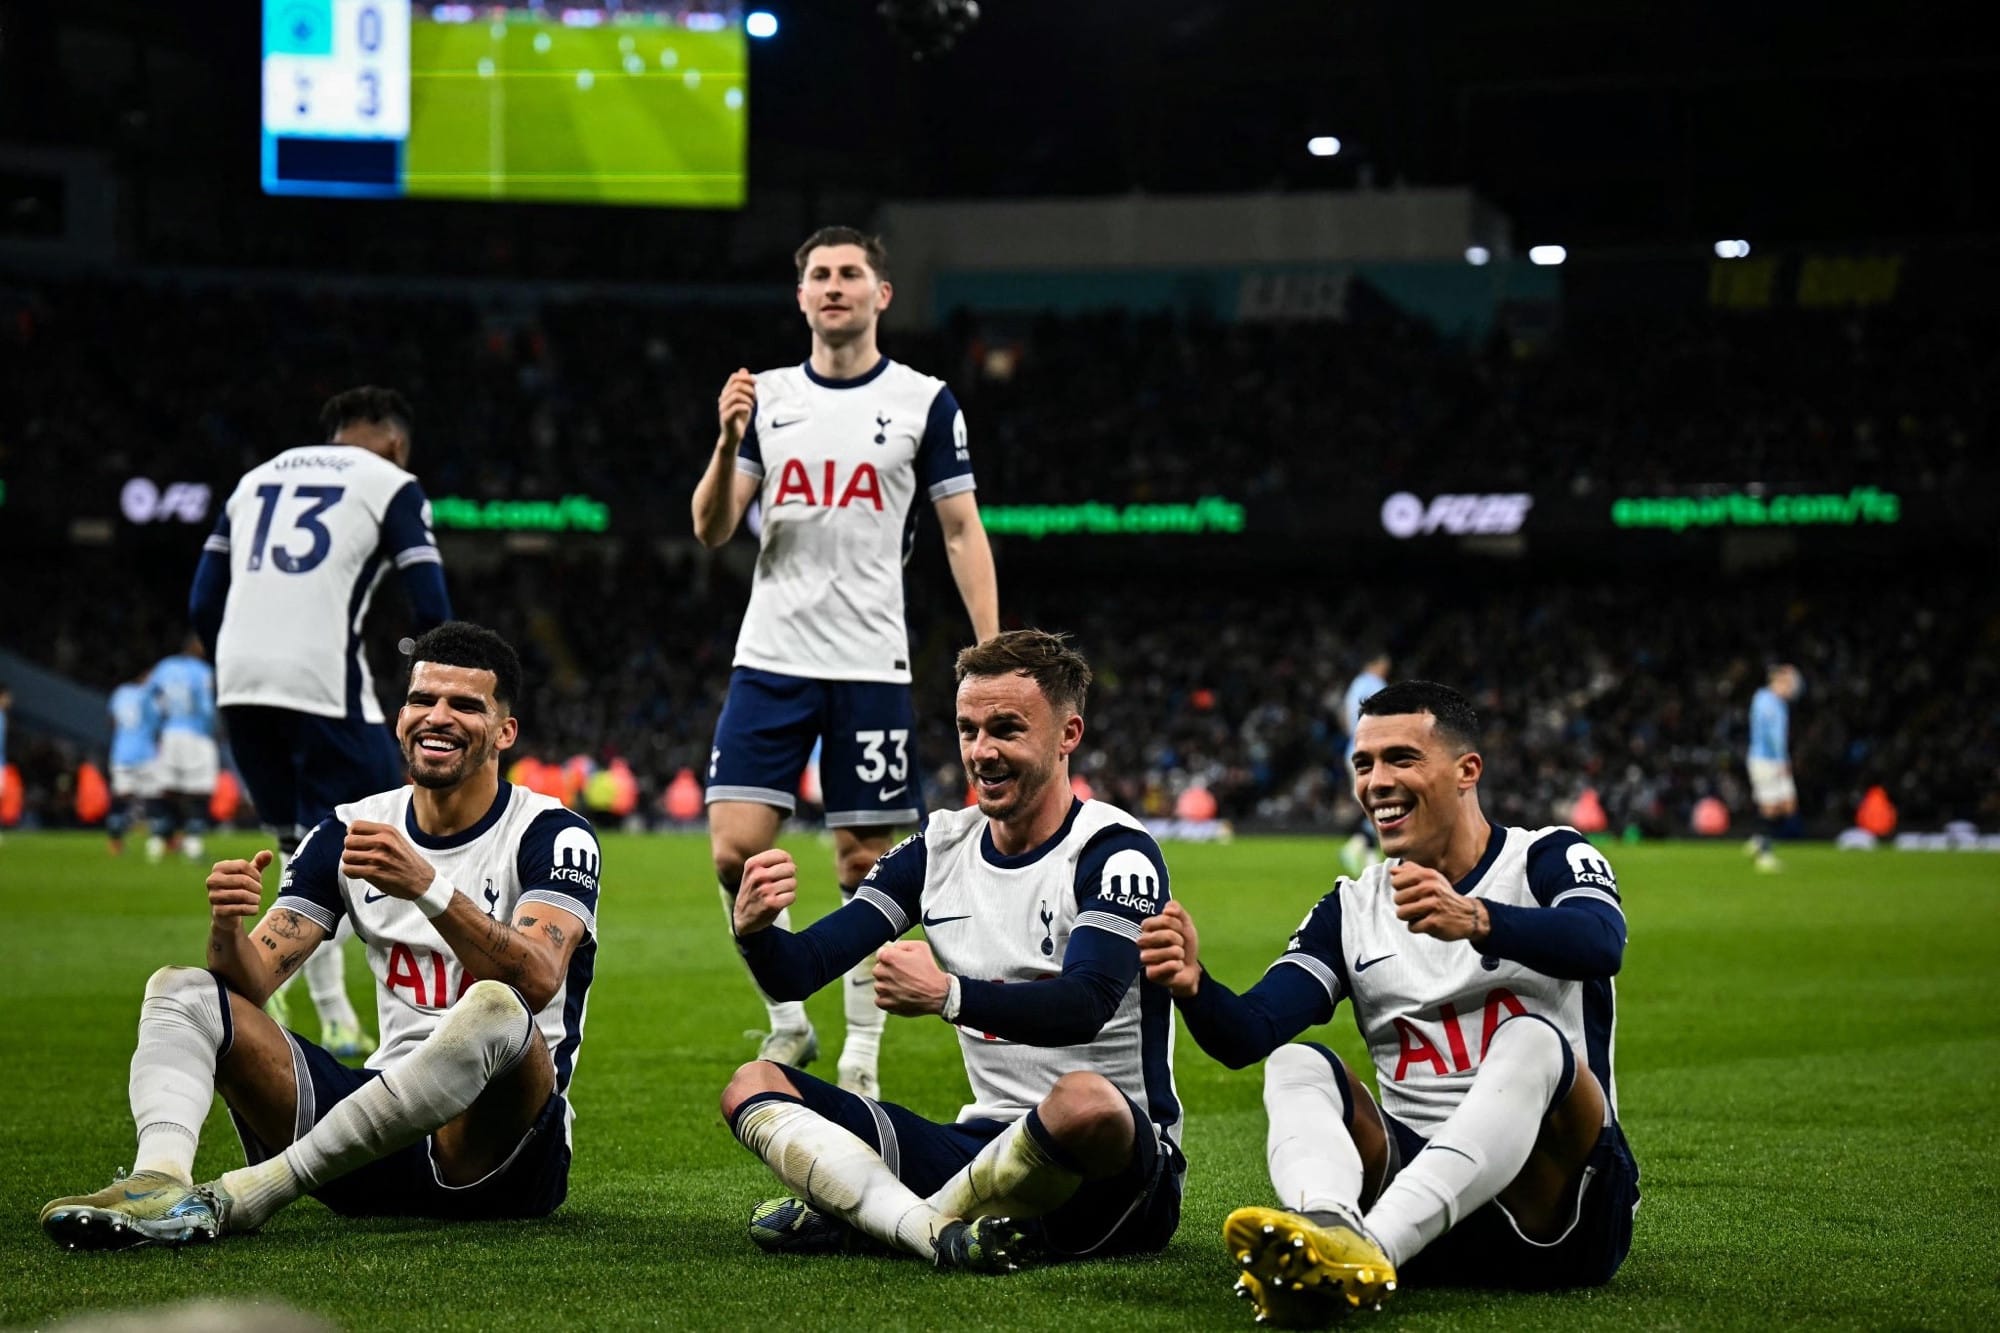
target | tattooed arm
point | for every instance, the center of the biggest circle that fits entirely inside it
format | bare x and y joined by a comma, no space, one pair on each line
252,965
531,955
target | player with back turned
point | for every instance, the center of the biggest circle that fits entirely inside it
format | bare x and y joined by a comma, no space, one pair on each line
837,451
280,596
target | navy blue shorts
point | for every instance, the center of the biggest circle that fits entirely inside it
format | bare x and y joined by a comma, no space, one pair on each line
1486,1249
532,1182
298,766
867,770
1133,1212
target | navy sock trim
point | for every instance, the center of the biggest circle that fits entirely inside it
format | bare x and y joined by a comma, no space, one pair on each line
228,1019
1046,1141
755,1098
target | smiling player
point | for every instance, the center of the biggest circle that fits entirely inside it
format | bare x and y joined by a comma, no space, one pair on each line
477,901
1479,960
836,451
1074,1120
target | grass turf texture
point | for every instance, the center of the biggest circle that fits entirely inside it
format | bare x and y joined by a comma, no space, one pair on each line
1807,1071
625,113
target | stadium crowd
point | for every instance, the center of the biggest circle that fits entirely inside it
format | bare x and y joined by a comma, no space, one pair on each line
1636,691
1587,684
525,397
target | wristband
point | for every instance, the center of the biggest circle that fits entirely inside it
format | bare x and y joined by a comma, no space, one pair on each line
436,898
952,1000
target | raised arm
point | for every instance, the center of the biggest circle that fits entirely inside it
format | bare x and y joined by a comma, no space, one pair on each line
253,965
791,966
1575,930
559,864
725,489
1299,991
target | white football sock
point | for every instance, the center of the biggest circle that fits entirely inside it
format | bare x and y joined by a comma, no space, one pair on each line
1013,1176
1315,1166
482,1037
1480,1148
838,1173
862,1049
181,1028
786,1015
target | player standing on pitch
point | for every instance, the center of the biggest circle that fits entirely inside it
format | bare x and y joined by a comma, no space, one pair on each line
279,598
1770,762
836,450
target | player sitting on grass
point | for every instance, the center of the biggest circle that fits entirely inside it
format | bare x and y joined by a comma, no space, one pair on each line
1479,960
461,1113
1074,1119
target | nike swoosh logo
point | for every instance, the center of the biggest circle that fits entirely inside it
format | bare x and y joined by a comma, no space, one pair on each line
134,1198
930,920
373,897
891,793
780,425
1360,966
865,981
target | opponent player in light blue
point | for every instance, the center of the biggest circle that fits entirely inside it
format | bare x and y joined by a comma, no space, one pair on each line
1359,851
1770,761
189,762
135,746
1074,1120
837,450
281,594
1479,963
478,903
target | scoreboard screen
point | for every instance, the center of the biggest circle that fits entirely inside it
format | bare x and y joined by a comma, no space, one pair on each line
619,102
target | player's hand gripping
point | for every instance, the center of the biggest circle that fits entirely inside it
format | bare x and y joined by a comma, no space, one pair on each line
235,890
907,980
770,882
1426,899
1170,951
379,854
733,408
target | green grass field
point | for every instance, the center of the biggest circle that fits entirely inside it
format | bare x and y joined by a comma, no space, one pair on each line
1808,1070
625,114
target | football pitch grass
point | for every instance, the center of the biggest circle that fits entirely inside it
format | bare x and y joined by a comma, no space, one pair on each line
629,113
1808,1066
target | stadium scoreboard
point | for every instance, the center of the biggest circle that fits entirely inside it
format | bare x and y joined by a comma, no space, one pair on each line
336,95
634,103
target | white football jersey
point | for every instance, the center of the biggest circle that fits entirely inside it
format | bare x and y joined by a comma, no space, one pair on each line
1428,1007
991,917
527,849
840,463
309,535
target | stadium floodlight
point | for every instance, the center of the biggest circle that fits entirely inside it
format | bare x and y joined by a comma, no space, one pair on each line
1547,255
1732,249
1478,255
761,23
1323,145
